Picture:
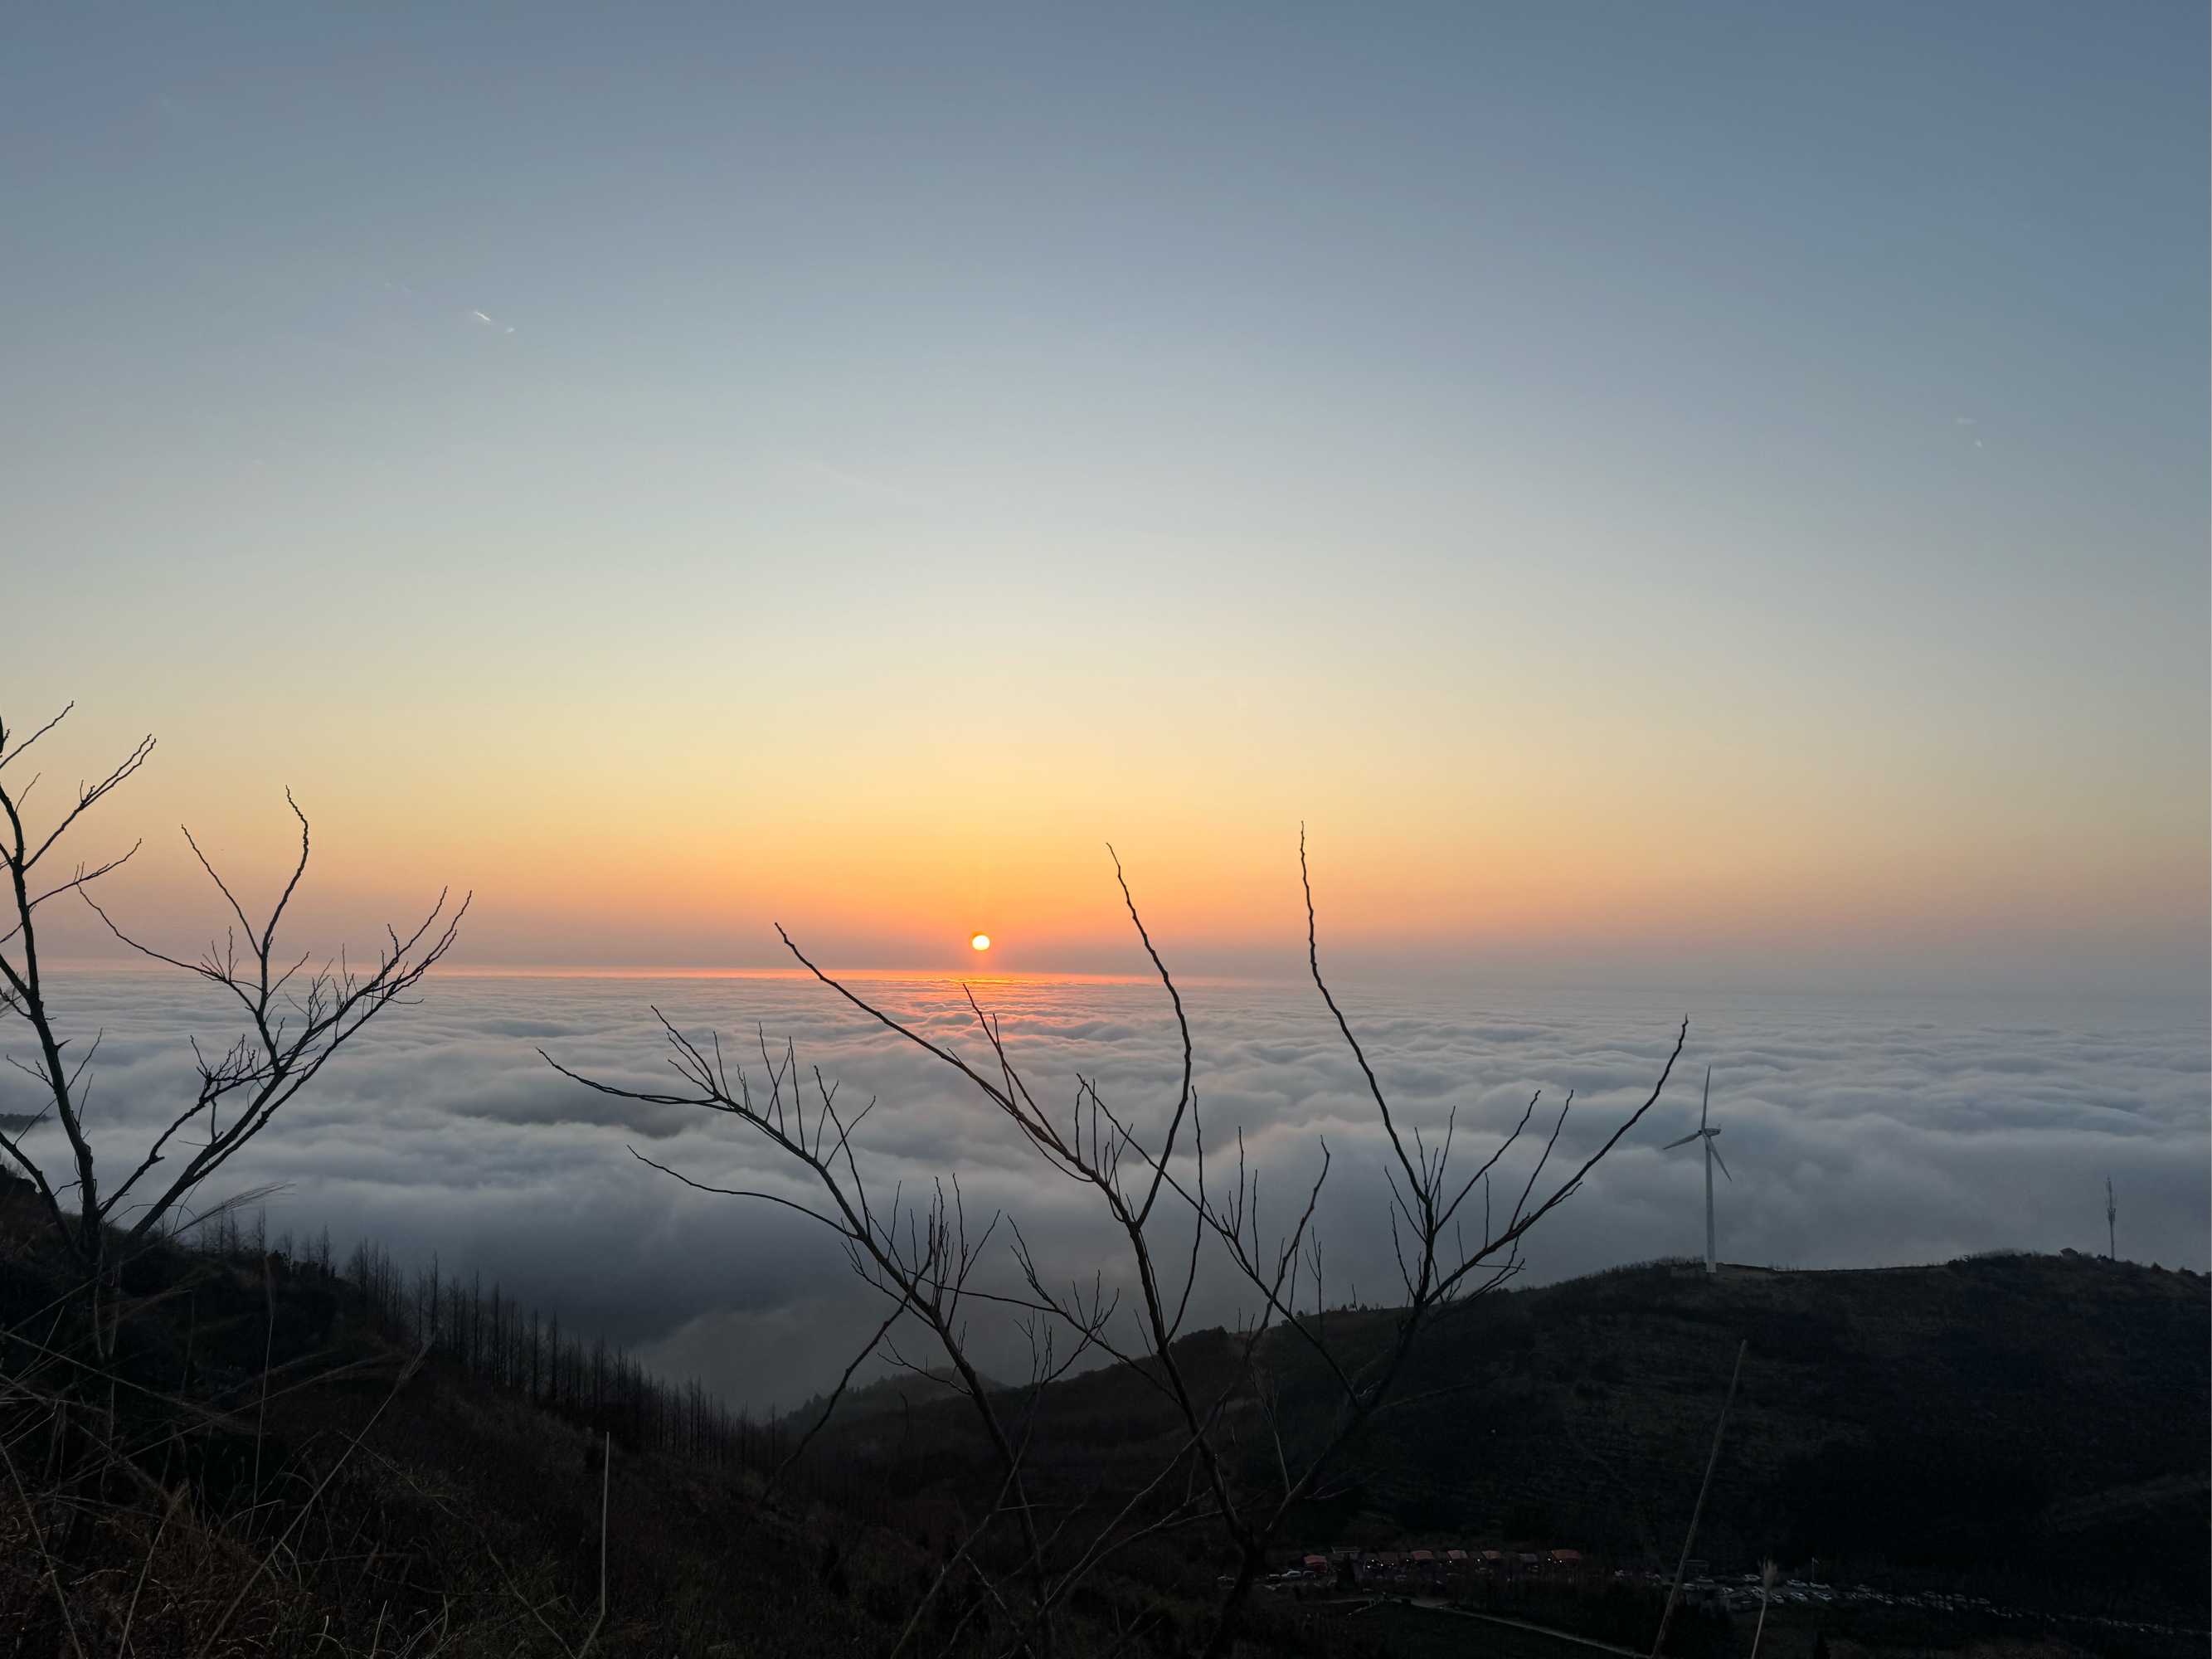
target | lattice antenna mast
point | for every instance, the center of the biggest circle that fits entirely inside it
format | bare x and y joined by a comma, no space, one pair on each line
2111,1224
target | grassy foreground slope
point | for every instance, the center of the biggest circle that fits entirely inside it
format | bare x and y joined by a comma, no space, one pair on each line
268,1468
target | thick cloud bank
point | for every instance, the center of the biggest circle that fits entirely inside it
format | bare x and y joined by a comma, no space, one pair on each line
1857,1132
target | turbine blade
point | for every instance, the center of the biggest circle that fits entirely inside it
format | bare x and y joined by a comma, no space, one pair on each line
1706,1101
1716,1151
1671,1144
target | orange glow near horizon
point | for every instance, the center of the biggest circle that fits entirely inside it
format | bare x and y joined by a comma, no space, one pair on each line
653,868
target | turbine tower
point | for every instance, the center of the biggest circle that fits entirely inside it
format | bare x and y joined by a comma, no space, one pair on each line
2111,1224
1712,1157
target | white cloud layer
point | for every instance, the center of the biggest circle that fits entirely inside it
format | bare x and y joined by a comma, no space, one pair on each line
1858,1133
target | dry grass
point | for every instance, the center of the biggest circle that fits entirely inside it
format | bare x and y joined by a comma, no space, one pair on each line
266,1471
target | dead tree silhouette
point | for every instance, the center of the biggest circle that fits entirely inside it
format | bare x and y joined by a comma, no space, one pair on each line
297,1018
1156,1193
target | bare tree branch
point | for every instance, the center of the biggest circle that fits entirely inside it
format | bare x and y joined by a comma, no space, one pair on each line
296,1024
921,1256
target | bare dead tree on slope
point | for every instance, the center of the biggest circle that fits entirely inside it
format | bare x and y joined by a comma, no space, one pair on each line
296,1017
1206,1479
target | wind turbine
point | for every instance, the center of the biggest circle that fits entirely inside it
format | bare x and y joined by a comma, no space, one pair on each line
1712,1157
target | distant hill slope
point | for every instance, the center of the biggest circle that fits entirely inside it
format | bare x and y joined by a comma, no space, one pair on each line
1984,1416
2032,1427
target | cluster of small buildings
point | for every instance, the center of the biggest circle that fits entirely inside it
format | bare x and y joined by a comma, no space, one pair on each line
1419,1568
1449,1572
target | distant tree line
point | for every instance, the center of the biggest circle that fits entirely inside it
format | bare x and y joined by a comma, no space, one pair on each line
487,1333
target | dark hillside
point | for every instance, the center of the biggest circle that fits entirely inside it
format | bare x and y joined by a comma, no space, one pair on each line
2016,1418
273,1470
2031,1429
274,1464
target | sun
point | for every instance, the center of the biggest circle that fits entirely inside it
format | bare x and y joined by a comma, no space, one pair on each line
981,942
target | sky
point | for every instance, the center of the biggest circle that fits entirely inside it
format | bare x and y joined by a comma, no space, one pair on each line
1706,495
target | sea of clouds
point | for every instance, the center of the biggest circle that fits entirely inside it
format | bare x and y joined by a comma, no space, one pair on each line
1858,1133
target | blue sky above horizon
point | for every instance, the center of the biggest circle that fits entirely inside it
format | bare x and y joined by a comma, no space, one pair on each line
1713,491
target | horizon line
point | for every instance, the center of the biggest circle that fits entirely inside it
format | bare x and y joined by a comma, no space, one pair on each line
1428,975
612,971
